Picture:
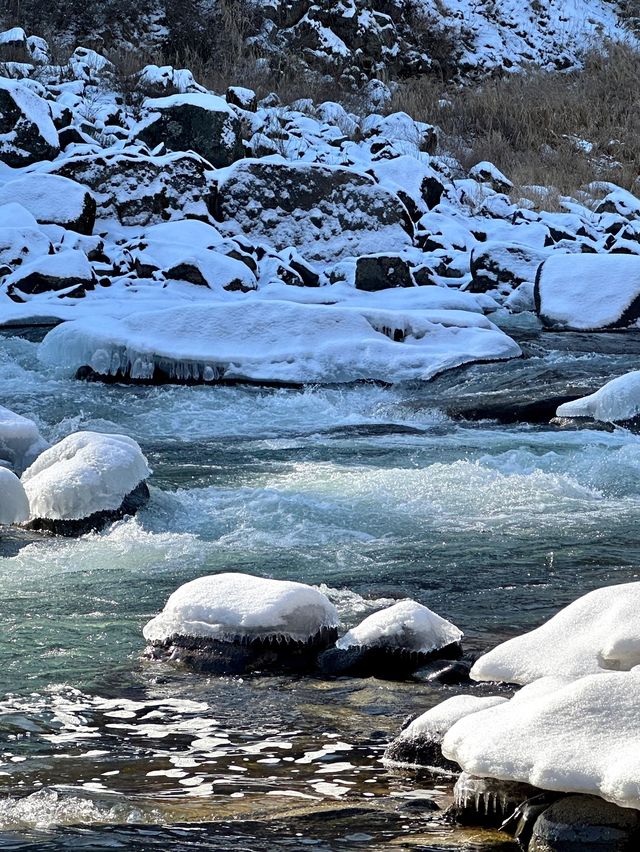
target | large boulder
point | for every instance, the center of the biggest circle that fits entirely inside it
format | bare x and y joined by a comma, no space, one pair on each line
139,189
197,122
21,239
504,266
380,271
328,212
588,292
53,199
67,273
27,132
585,824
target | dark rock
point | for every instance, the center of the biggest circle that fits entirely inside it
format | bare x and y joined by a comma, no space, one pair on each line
379,272
447,674
26,125
503,265
420,751
68,273
381,662
132,503
586,824
520,824
244,98
487,801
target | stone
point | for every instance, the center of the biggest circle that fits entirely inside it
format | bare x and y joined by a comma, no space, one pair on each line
53,200
585,824
504,266
27,132
378,272
488,801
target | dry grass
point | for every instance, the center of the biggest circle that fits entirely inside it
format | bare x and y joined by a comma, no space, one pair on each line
533,125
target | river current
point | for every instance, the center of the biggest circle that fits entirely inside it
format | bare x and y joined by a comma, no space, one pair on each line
372,493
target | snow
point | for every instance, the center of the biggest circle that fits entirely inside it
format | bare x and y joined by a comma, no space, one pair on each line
20,440
86,472
580,736
407,625
35,108
618,400
201,100
278,342
16,35
49,198
600,630
228,606
67,265
584,292
14,506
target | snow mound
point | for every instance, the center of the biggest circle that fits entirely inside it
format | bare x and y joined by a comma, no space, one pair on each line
618,400
52,199
277,342
586,292
600,630
407,625
14,505
581,736
20,441
85,473
226,607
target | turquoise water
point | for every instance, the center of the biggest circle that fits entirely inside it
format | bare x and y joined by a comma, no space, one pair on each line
372,493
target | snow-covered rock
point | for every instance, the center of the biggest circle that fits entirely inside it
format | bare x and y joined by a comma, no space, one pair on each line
587,292
420,743
504,266
197,122
53,199
20,440
14,505
67,273
21,240
600,630
616,401
85,481
327,212
27,132
156,80
277,342
579,736
234,623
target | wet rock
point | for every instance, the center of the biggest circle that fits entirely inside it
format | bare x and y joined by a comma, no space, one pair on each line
195,122
488,801
380,662
520,824
586,824
445,673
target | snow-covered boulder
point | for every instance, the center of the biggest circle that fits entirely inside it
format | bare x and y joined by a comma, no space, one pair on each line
504,266
486,172
615,402
588,292
328,212
66,273
197,122
417,184
600,630
234,623
157,80
393,643
84,482
21,239
20,440
27,132
276,342
580,736
419,744
14,505
53,199
139,189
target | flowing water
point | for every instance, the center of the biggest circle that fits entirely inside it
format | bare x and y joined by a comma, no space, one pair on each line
372,493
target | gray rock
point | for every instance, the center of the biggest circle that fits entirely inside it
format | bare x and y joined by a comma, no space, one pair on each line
586,824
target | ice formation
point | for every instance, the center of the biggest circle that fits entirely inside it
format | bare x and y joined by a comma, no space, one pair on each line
578,736
232,607
278,342
14,505
618,400
85,473
20,441
407,626
600,630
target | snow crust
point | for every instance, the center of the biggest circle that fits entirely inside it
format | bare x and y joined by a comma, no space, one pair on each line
600,630
579,736
86,472
228,606
278,342
406,625
14,505
587,291
618,400
20,440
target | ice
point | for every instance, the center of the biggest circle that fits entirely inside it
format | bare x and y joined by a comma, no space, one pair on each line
618,400
407,625
598,631
14,505
20,441
584,292
580,736
228,606
86,472
278,342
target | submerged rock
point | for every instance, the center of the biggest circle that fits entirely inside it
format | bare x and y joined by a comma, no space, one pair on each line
238,623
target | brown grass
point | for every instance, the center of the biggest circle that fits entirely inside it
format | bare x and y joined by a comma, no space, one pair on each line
531,124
